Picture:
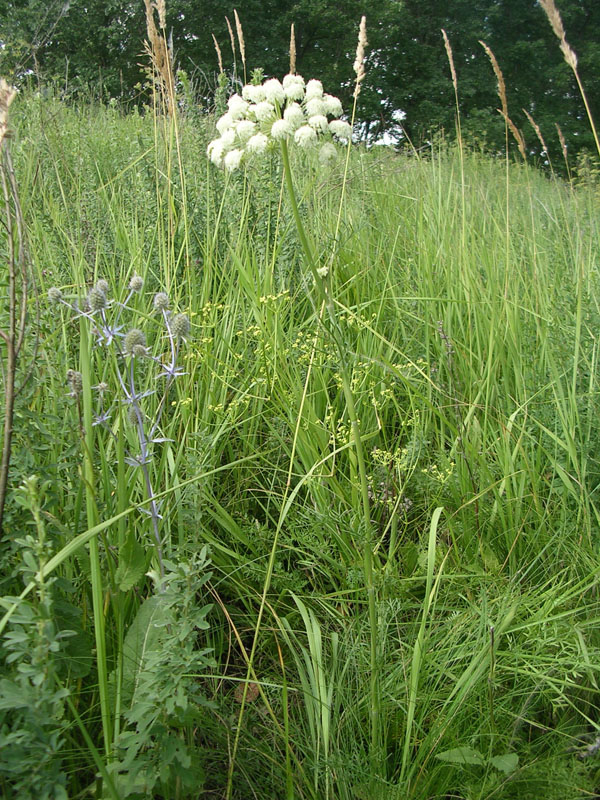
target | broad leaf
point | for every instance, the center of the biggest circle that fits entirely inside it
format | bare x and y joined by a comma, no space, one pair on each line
462,755
142,638
506,763
132,563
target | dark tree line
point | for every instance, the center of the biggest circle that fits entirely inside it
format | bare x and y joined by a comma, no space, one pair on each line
87,42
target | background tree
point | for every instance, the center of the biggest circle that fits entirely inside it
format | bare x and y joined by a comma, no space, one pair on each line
86,41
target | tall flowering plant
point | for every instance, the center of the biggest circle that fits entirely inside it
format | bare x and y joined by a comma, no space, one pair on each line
279,114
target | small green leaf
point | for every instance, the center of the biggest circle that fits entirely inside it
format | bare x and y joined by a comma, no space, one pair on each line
506,763
462,755
132,563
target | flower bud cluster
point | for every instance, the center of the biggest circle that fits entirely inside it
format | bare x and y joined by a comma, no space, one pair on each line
275,111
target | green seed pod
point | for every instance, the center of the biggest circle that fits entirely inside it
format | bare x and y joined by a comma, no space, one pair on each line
97,298
161,301
134,338
180,326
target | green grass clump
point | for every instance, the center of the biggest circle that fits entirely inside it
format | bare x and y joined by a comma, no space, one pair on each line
467,308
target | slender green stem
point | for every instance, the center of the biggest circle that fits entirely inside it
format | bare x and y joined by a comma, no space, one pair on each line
323,286
92,519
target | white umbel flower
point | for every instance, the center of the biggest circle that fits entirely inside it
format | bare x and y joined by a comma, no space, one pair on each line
327,154
281,129
233,160
225,122
253,94
237,107
305,136
295,91
257,143
263,111
215,151
315,106
288,80
333,105
228,139
294,115
340,129
319,123
314,88
245,130
274,91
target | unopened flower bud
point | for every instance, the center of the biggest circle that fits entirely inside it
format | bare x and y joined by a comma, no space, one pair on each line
102,285
161,301
132,415
134,339
180,326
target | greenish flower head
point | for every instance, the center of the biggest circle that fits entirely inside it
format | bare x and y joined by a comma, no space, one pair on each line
97,298
161,301
135,343
54,295
180,326
136,283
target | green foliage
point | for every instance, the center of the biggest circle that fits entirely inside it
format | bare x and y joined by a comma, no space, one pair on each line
407,89
465,293
163,664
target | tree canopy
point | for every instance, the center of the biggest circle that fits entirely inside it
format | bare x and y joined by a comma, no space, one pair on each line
408,91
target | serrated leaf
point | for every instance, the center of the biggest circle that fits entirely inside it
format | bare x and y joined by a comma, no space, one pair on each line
75,654
142,638
132,563
506,763
462,755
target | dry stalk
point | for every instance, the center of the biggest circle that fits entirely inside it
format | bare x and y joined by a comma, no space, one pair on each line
18,274
554,18
537,130
240,38
157,49
219,56
292,51
231,37
563,146
450,60
518,136
359,61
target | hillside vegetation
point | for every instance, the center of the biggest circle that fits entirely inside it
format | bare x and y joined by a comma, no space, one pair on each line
299,614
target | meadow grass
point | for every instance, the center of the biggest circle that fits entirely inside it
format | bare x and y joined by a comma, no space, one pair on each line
465,296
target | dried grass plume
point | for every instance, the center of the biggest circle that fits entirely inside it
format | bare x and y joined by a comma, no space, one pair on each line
219,56
359,61
555,20
240,38
292,51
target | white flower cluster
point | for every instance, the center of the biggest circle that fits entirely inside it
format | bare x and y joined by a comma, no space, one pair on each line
274,111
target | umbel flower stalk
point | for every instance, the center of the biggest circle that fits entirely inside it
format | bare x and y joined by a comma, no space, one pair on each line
280,115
